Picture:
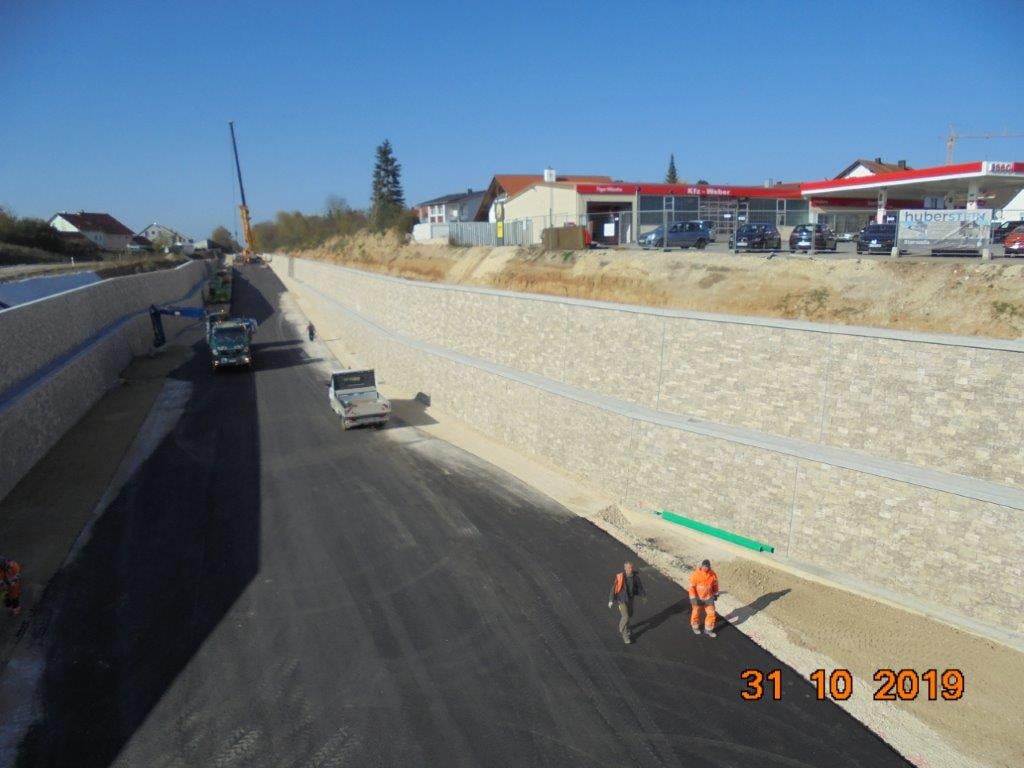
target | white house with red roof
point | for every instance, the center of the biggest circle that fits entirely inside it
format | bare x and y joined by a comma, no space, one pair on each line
104,230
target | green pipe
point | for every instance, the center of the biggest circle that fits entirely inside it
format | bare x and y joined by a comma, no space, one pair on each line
743,541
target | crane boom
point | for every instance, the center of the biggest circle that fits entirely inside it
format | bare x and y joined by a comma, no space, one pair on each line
953,137
243,209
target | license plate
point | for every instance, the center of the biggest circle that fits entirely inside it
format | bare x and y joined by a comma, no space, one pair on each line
874,242
744,242
804,243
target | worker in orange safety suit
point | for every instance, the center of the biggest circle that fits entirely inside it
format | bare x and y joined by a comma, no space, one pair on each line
10,585
703,592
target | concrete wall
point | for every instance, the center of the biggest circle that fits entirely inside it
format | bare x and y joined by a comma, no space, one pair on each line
855,450
61,353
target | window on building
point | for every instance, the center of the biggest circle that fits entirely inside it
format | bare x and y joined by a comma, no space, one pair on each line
797,212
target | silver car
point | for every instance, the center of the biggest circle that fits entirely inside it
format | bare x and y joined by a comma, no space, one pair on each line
682,234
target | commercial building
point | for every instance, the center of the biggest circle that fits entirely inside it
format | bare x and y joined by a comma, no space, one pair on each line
970,186
619,212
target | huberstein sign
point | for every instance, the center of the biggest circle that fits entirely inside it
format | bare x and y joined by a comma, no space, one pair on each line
944,230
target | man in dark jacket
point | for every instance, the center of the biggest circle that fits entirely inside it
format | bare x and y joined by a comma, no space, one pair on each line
627,585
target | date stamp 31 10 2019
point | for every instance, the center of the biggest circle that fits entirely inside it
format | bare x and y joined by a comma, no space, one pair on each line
901,685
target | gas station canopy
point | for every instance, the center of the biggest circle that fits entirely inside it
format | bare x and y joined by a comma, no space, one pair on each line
983,183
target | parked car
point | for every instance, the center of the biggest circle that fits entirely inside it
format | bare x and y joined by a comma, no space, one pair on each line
756,237
999,233
709,226
877,238
800,238
682,234
1013,243
847,237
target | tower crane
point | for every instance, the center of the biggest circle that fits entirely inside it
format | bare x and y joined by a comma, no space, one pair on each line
953,137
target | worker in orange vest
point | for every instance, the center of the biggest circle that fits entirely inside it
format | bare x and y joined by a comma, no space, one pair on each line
703,592
627,585
10,584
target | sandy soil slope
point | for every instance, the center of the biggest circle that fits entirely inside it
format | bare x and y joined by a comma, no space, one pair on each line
939,295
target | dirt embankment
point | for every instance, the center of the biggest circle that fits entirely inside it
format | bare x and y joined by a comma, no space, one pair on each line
975,298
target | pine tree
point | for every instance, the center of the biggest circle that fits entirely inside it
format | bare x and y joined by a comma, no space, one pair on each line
386,199
671,177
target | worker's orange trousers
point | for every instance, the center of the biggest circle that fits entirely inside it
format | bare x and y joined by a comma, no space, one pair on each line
709,615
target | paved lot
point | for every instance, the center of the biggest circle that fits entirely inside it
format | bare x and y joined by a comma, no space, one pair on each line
848,250
267,590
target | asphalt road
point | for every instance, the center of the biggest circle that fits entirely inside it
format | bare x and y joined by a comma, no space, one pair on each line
267,590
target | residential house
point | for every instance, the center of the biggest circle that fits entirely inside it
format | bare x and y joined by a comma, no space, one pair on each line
104,230
460,206
860,168
175,239
140,243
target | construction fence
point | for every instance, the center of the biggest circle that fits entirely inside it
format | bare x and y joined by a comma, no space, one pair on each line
473,233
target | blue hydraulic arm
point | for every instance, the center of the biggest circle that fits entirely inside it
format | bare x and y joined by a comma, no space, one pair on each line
156,313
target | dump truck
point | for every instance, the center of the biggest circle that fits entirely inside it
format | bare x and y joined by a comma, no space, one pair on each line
229,338
354,397
230,341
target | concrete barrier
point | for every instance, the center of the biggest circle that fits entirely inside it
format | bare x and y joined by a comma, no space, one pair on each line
804,436
61,353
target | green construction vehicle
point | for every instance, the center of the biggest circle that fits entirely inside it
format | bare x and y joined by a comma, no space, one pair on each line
219,289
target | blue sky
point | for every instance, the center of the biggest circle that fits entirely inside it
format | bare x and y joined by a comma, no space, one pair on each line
123,107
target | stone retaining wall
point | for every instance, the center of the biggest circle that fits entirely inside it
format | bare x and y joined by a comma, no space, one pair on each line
894,458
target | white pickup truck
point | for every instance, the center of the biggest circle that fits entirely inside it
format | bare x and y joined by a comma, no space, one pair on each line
354,397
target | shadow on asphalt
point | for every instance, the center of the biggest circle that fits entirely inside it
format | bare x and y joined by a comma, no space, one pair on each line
247,301
282,357
411,413
644,626
257,346
157,573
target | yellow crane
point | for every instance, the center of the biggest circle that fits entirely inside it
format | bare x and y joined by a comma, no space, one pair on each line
249,252
953,137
